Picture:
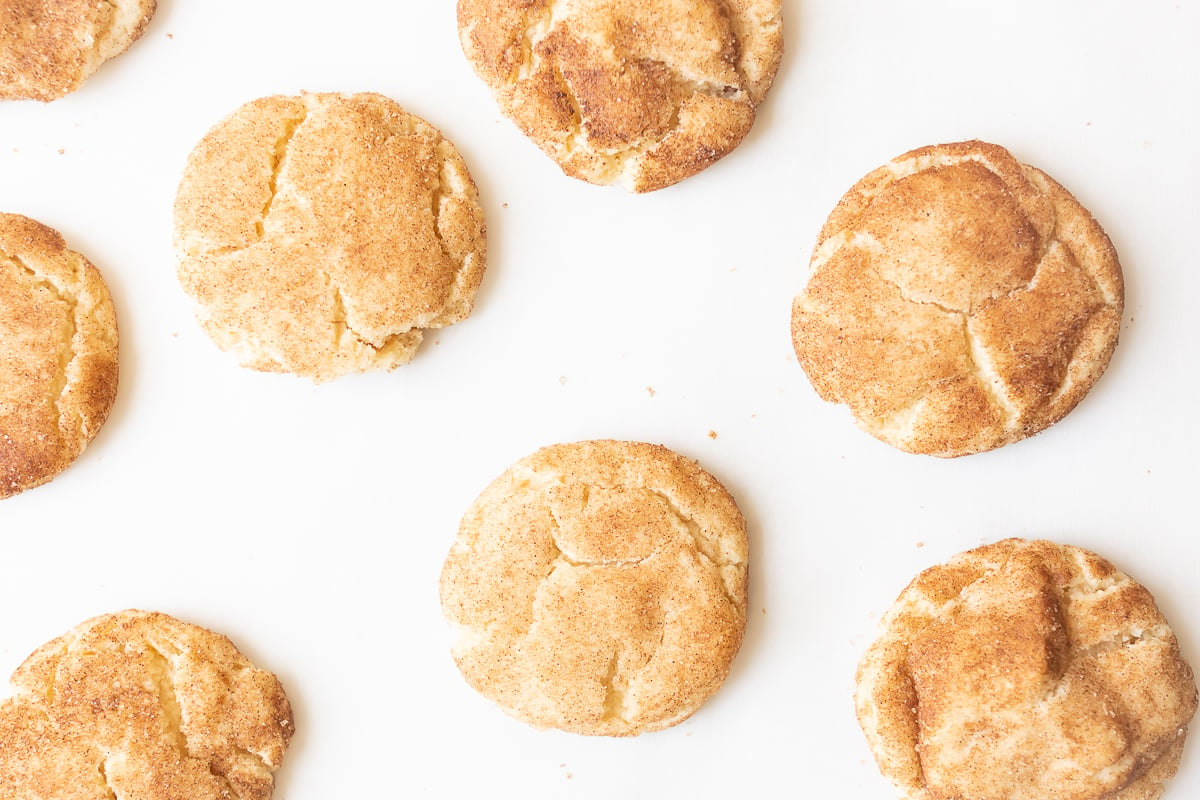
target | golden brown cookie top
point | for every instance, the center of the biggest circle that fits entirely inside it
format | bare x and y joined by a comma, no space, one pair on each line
58,354
958,301
639,92
1025,670
599,588
141,705
321,234
49,47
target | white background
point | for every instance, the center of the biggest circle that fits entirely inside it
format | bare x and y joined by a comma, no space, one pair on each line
309,523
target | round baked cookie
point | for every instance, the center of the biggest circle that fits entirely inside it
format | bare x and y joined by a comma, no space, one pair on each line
1025,670
643,93
598,588
58,354
958,301
49,47
320,235
141,706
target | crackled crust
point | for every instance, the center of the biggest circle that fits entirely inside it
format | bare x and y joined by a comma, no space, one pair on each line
140,705
320,234
643,93
959,301
598,588
58,354
1024,670
49,47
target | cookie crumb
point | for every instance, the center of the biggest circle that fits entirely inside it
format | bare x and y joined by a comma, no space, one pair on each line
562,380
712,434
650,389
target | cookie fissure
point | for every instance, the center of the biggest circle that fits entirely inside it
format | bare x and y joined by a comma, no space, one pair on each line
437,200
614,696
257,761
536,29
576,136
992,384
67,353
707,548
162,672
95,56
1124,639
449,187
278,161
102,770
161,666
341,325
564,558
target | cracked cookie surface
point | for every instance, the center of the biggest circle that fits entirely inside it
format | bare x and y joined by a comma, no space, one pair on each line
643,93
58,354
958,301
598,588
1025,670
141,706
320,235
49,47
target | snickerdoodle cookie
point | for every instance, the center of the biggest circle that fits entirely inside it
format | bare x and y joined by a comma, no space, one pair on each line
320,235
1025,670
643,93
49,47
598,588
958,301
141,706
58,354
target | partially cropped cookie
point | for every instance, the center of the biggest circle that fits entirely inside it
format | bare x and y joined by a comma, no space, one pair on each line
141,706
58,354
323,234
1025,670
49,47
598,588
643,93
958,301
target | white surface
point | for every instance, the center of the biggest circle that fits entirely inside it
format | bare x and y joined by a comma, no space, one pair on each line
310,523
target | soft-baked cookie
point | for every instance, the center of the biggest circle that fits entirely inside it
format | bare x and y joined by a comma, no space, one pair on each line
320,234
958,301
141,706
598,588
1025,670
49,47
58,354
642,93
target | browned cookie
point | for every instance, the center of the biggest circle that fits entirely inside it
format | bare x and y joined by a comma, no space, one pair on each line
48,47
141,706
642,93
599,588
321,234
1025,670
58,354
958,301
